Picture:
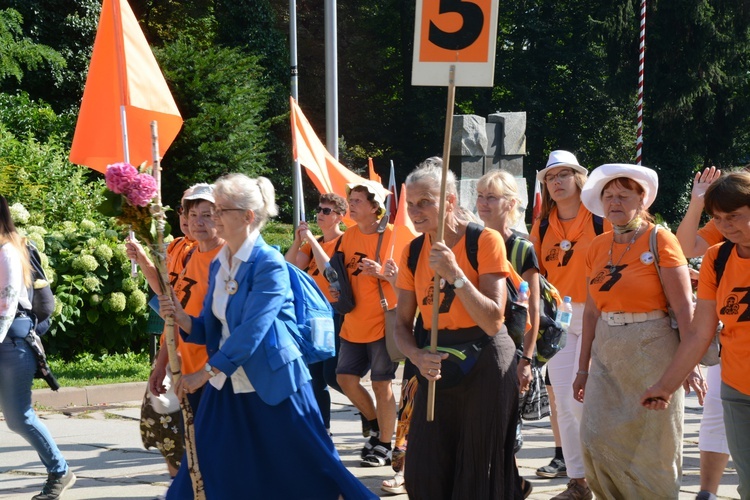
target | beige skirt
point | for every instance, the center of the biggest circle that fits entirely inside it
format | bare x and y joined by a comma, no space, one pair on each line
630,452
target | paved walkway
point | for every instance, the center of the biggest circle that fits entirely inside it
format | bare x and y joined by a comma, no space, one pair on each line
100,438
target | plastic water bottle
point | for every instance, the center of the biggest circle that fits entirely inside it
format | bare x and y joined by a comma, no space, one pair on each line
332,276
523,293
565,313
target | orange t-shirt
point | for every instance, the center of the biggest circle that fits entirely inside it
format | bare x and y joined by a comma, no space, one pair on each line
312,267
491,258
732,298
177,254
190,287
634,286
710,233
566,270
366,322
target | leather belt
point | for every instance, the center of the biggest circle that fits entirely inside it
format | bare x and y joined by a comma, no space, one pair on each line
626,318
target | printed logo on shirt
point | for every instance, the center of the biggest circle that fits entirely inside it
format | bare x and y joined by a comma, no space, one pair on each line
608,278
184,289
355,261
448,294
554,254
732,304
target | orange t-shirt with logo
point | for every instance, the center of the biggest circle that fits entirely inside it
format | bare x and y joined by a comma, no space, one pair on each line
491,258
177,255
634,285
566,269
366,322
312,268
710,233
732,297
190,287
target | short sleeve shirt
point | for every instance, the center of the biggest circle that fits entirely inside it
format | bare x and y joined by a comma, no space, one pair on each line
366,322
566,269
491,258
732,297
312,268
710,233
634,286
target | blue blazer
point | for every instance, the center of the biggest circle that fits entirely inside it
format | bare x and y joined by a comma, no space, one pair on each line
259,340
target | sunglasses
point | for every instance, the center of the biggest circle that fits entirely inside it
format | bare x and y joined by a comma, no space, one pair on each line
325,210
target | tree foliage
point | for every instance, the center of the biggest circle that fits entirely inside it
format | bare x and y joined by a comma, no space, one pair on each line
18,51
222,101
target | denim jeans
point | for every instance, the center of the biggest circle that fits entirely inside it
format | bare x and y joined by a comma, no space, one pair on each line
17,367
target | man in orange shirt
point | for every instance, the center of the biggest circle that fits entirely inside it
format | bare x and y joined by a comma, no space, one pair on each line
363,345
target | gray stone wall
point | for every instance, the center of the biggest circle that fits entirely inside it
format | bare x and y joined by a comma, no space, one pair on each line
479,145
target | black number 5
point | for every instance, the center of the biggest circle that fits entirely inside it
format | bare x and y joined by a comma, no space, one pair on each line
473,20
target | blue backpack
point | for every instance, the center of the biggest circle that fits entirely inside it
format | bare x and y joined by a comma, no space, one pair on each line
314,330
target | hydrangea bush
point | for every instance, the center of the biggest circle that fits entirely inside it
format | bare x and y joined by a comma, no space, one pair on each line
100,307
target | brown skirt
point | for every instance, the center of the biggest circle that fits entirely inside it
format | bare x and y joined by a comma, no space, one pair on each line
467,451
628,451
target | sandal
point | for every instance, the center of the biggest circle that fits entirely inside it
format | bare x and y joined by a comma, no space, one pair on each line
378,457
394,486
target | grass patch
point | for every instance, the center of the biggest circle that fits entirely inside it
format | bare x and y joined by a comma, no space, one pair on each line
87,369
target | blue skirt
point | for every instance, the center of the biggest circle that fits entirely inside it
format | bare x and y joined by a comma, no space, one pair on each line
248,449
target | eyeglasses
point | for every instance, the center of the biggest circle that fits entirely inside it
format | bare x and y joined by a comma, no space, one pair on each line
561,176
325,210
218,212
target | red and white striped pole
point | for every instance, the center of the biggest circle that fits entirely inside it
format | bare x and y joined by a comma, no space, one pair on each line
641,53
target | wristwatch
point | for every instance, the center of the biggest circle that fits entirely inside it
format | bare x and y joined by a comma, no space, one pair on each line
460,282
210,370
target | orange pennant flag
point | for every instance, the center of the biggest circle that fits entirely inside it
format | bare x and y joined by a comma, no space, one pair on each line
328,175
403,229
124,83
371,172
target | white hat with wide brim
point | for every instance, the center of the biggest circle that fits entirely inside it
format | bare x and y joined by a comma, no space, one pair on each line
591,194
560,158
373,187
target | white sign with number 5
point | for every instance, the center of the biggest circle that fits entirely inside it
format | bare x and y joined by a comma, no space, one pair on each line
455,32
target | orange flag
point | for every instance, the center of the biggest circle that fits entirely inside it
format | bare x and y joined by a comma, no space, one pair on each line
403,229
124,83
371,172
328,175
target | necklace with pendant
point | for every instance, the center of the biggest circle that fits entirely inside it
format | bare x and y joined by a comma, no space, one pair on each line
613,267
230,284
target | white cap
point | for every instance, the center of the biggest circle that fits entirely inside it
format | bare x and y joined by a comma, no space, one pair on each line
200,191
373,187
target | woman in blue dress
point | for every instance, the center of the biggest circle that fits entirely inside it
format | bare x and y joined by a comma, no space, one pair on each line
258,429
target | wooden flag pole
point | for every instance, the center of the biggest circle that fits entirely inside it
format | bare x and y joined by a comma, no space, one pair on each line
440,231
159,253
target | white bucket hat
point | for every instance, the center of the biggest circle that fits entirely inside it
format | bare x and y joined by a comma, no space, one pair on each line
558,159
200,191
591,194
373,187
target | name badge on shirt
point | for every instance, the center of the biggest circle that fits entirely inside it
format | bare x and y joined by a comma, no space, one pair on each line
647,258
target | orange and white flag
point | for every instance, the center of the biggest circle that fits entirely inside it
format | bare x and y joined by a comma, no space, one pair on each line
124,86
327,174
537,210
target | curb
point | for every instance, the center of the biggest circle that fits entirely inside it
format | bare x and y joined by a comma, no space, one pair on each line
89,395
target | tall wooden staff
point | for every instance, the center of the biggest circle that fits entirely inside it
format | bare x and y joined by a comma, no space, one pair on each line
440,231
159,254
449,35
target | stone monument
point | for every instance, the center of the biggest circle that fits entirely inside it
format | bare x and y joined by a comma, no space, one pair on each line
479,145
